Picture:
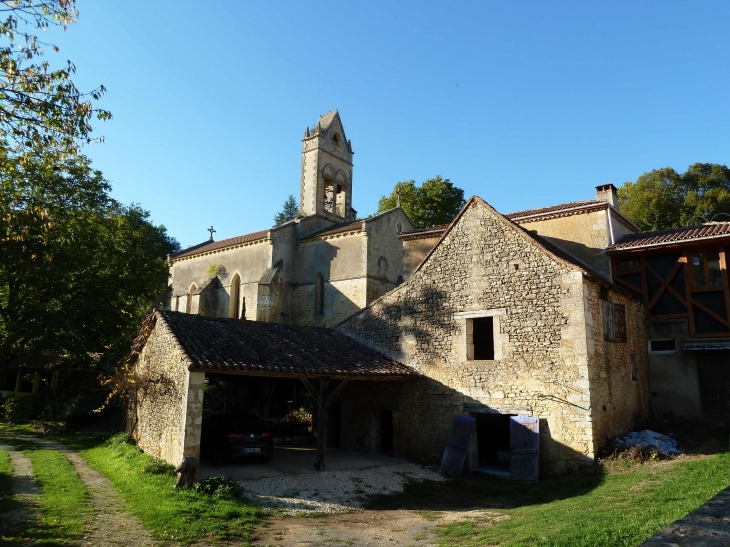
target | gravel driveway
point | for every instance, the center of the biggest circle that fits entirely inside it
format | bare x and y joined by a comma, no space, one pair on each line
334,491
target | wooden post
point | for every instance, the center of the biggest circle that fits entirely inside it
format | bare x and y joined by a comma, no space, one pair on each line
36,381
19,381
321,462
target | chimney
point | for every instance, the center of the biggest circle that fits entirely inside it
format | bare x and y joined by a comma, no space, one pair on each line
607,193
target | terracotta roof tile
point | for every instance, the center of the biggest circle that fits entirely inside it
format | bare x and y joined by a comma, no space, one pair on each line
419,233
354,226
666,237
222,244
555,208
233,345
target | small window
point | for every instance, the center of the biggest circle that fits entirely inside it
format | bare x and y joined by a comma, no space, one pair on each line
399,227
335,138
705,268
483,338
662,346
629,265
634,368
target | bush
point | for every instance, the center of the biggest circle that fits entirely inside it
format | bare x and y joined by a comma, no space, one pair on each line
19,407
222,488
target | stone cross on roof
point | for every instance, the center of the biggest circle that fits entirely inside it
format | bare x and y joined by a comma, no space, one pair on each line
212,231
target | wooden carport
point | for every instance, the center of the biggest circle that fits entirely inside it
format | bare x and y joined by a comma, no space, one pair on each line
272,350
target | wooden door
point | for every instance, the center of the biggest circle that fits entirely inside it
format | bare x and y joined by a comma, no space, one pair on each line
524,448
457,445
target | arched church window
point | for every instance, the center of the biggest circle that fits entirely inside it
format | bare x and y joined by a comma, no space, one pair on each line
234,306
399,227
382,267
319,295
189,305
329,194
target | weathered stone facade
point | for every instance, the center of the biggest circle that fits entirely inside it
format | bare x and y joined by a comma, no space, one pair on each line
550,358
167,409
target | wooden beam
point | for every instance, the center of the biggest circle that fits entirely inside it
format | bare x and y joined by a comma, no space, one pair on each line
321,463
336,392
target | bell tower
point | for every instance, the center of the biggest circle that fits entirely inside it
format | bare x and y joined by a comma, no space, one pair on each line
326,187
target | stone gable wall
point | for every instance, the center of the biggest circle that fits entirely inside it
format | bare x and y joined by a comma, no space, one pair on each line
541,363
166,419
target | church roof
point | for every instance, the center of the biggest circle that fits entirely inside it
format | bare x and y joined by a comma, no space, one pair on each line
269,349
354,226
208,246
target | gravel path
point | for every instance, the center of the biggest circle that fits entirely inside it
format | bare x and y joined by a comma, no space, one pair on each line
334,491
25,489
111,525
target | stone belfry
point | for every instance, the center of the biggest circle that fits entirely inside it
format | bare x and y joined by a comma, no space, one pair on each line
326,188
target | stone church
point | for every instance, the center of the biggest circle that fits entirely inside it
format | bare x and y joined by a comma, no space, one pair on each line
315,270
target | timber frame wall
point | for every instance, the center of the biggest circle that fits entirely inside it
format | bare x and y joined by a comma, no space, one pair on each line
680,281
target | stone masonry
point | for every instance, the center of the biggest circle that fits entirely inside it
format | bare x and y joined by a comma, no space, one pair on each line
550,358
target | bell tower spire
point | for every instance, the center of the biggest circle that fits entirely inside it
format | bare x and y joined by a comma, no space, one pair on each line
326,186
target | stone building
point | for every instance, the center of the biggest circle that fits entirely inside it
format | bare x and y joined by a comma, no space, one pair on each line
499,321
495,322
681,276
315,270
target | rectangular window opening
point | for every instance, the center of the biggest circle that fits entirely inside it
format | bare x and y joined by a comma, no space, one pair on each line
483,338
662,346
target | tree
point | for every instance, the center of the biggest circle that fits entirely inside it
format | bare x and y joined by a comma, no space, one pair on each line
437,201
289,211
41,107
663,199
78,269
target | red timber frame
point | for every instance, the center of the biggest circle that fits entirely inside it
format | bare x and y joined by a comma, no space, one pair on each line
630,265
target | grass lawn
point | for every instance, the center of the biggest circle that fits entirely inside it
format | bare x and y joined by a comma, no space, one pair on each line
616,506
169,514
63,501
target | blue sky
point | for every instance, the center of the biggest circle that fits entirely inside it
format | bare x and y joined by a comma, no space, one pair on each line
525,104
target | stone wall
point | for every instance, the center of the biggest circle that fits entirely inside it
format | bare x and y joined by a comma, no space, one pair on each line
415,250
165,421
618,401
487,267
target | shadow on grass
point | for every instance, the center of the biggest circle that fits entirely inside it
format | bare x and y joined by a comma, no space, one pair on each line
486,492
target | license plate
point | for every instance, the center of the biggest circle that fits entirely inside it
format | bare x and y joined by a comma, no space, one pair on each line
252,450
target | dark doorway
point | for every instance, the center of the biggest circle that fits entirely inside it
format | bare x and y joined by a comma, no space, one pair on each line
386,432
493,435
714,376
335,425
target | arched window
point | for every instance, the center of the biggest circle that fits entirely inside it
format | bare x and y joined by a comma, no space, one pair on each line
382,267
319,295
189,305
234,306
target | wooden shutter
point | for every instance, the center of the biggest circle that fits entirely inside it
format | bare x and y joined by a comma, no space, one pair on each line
524,448
457,445
607,312
619,323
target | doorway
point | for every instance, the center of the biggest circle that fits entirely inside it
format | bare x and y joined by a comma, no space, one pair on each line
493,443
713,368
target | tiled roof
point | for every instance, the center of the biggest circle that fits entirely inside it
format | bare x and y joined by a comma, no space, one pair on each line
421,233
354,226
222,244
556,209
257,347
675,235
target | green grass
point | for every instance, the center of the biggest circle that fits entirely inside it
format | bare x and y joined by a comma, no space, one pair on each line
64,508
619,507
169,514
